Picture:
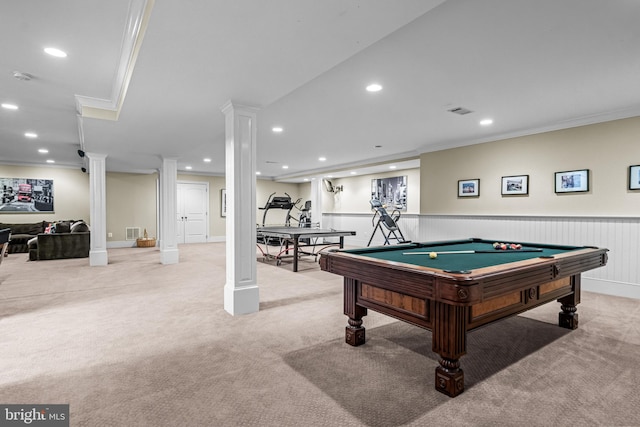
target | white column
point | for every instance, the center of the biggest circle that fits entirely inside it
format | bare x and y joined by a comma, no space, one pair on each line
97,209
241,294
168,211
316,201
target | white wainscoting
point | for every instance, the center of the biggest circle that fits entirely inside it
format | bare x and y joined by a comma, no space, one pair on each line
621,276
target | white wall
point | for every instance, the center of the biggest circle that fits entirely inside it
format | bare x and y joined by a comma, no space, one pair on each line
356,193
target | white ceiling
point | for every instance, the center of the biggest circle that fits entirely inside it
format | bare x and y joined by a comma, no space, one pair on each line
165,69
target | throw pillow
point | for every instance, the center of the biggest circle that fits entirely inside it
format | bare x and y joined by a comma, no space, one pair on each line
63,227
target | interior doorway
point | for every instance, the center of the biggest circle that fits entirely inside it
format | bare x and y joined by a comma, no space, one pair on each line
193,212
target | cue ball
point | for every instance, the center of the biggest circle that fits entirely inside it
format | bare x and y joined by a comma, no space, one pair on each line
433,255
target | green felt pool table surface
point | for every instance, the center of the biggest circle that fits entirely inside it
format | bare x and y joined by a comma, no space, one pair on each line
418,254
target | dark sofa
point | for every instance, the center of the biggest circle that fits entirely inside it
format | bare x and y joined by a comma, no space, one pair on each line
60,246
63,242
22,233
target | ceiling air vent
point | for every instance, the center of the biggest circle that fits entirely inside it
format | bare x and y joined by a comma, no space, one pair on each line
460,110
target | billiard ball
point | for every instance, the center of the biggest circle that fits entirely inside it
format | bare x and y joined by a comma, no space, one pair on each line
433,255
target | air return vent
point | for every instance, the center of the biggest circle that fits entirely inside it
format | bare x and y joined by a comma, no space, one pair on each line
460,110
133,233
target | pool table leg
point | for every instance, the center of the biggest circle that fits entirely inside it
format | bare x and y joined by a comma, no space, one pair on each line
568,317
449,339
355,332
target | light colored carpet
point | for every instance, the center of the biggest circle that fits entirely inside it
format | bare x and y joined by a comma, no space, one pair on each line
137,343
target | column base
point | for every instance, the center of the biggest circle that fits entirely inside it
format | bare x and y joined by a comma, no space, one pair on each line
169,256
242,300
97,258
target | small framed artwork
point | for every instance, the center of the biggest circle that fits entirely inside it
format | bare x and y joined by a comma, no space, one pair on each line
572,181
515,185
634,177
469,188
223,202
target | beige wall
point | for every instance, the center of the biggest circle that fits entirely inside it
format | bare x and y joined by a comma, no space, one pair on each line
606,149
131,202
356,193
132,199
70,192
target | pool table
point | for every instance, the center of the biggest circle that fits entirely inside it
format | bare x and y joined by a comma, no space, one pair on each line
466,285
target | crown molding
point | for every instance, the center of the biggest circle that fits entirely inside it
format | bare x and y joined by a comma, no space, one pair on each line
109,109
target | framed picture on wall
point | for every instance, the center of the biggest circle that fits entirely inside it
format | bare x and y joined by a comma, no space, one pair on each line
392,192
515,185
223,202
469,188
26,195
634,177
572,181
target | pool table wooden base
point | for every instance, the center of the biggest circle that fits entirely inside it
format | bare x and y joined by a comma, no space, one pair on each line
454,294
449,323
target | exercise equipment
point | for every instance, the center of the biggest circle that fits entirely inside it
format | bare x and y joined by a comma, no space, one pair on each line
279,202
389,222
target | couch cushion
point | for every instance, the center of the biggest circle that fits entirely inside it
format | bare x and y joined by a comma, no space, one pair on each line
30,228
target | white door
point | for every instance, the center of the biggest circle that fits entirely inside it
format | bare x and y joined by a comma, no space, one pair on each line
193,212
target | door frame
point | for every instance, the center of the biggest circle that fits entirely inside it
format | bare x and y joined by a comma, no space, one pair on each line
208,204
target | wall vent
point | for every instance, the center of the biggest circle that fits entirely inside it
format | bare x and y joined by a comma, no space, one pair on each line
132,233
460,110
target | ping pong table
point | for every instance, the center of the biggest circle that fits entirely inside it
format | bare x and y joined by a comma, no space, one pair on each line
294,239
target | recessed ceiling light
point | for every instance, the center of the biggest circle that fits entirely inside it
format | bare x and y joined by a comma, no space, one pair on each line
206,160
43,151
285,167
306,179
31,134
353,172
374,87
329,176
392,167
10,106
258,173
55,52
322,159
486,122
277,129
50,161
188,168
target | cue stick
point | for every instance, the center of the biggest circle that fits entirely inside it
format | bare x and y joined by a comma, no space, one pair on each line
474,252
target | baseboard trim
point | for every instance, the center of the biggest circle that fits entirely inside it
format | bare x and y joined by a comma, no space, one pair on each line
121,244
607,287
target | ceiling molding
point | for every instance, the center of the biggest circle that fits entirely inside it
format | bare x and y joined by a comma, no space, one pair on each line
109,109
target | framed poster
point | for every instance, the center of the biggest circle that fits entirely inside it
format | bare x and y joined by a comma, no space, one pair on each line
572,181
469,188
634,177
392,192
515,185
26,195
